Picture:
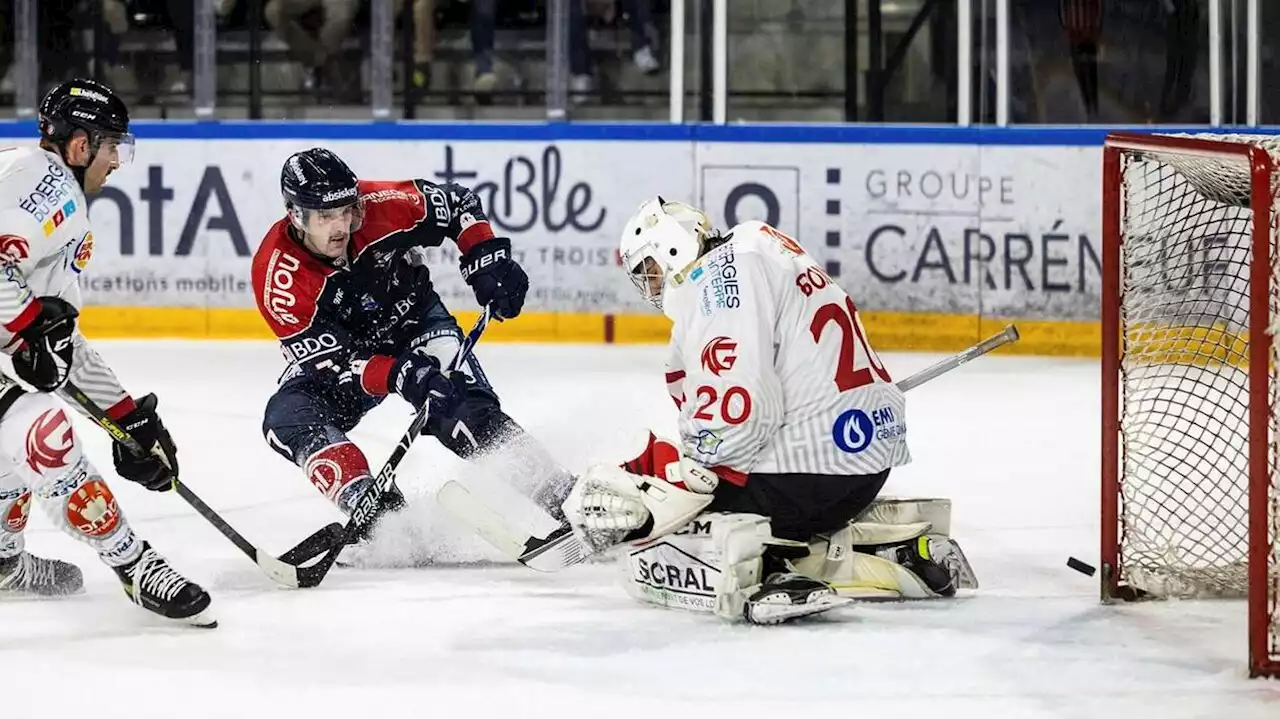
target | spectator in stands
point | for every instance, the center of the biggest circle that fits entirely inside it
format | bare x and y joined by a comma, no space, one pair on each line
484,21
424,39
182,21
314,50
644,39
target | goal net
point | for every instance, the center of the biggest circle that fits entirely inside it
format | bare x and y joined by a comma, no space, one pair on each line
1190,308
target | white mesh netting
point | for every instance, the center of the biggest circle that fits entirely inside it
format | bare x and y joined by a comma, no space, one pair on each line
1184,393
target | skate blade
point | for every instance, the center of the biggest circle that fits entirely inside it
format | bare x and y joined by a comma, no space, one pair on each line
955,561
768,613
201,620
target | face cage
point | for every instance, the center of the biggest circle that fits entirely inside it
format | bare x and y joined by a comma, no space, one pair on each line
645,273
301,216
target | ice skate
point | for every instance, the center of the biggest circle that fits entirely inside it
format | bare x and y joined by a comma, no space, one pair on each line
155,586
27,574
786,595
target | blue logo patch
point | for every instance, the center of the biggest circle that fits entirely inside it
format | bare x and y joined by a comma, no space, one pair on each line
852,431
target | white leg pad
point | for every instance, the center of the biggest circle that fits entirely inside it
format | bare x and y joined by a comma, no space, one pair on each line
864,576
894,510
865,534
710,565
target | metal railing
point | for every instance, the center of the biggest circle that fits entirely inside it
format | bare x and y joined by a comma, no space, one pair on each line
976,49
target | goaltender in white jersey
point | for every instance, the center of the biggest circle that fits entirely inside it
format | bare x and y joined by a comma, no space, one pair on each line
789,426
770,364
45,244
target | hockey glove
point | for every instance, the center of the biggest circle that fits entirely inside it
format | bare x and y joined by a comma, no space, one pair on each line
496,278
44,359
417,377
157,469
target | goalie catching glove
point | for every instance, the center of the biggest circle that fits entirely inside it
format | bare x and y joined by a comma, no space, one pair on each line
609,505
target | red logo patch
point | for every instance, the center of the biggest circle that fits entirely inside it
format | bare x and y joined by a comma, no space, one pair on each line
49,441
84,253
784,239
334,467
15,520
719,356
92,509
13,249
326,475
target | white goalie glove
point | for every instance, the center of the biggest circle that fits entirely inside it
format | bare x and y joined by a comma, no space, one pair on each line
609,504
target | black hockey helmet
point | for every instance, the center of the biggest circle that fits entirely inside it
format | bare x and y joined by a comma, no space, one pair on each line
90,106
318,181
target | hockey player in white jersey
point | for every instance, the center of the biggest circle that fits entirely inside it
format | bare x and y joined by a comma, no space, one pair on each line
789,426
45,243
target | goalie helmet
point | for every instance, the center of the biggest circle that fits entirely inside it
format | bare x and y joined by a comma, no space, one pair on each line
659,242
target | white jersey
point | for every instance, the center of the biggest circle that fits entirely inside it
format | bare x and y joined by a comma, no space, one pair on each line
771,368
45,243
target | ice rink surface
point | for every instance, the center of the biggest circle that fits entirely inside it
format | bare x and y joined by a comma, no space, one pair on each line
1013,441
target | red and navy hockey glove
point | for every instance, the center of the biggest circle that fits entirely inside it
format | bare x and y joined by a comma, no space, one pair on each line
496,279
417,377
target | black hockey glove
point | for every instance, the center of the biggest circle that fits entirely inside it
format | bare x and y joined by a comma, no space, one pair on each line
44,360
417,377
149,470
495,277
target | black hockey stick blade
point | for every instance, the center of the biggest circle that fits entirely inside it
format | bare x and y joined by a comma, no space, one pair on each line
556,551
318,543
369,508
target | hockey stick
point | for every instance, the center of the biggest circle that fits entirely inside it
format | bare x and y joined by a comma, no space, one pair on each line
550,553
1006,336
279,570
368,509
561,548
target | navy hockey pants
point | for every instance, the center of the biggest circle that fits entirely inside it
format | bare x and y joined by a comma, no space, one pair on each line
306,415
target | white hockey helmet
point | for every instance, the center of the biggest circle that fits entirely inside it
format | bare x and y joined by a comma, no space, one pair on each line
659,242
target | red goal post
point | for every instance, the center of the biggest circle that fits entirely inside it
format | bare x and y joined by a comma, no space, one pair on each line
1189,307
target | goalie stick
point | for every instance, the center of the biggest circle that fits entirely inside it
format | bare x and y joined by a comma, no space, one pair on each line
281,570
561,548
368,509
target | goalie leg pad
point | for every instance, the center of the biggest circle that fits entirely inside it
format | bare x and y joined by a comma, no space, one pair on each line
895,510
878,561
711,565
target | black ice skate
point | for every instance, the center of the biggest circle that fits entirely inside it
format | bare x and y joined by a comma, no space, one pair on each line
786,595
155,586
936,560
31,575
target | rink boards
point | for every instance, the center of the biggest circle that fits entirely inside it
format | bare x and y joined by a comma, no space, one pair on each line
941,235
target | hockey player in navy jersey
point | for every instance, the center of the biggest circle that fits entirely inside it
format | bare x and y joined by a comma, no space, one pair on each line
341,280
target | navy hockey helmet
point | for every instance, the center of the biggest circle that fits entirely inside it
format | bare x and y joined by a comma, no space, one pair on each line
90,106
317,183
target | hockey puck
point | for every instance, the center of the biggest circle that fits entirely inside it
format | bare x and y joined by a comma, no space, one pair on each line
1079,566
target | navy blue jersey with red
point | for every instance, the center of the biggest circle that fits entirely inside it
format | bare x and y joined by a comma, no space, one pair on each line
344,322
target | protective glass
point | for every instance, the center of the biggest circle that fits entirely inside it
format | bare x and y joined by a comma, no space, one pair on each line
335,220
120,148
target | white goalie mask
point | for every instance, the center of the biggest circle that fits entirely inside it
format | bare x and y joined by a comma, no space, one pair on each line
659,242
